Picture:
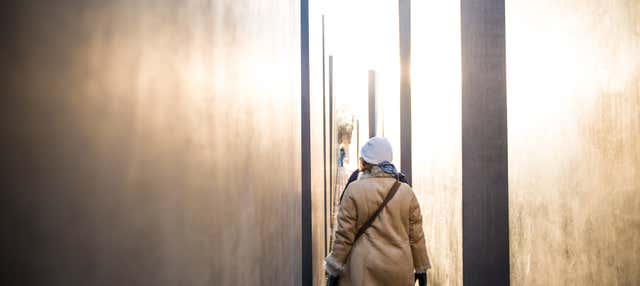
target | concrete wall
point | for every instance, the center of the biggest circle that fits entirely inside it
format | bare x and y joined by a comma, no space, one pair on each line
436,130
573,70
150,142
317,136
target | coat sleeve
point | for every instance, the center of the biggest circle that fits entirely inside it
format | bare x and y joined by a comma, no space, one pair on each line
345,234
421,261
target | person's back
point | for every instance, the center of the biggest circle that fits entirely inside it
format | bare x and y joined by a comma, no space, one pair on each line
393,247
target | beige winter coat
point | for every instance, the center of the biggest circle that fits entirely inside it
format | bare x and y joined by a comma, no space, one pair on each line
392,248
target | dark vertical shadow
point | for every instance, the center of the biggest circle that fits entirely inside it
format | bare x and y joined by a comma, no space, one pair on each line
404,16
372,103
331,142
484,144
324,143
305,124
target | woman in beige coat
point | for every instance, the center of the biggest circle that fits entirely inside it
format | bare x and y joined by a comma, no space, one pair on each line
392,250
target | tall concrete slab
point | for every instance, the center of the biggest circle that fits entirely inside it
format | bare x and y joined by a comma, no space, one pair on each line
151,142
573,71
317,145
485,224
436,132
404,40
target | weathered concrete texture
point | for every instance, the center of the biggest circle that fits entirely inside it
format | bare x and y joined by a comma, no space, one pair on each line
150,142
574,142
317,137
485,211
436,115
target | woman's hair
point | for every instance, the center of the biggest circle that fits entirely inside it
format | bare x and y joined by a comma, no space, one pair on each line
364,166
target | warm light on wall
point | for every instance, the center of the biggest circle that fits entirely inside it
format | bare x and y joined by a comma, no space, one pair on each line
436,116
573,70
567,56
435,69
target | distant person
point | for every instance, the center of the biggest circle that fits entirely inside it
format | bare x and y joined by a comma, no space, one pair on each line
379,238
342,154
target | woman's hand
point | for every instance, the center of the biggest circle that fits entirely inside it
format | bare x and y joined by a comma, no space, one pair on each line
331,279
422,278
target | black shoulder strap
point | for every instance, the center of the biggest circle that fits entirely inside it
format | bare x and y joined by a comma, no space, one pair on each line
373,217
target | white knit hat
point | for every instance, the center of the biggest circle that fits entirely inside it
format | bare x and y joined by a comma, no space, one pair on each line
376,151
